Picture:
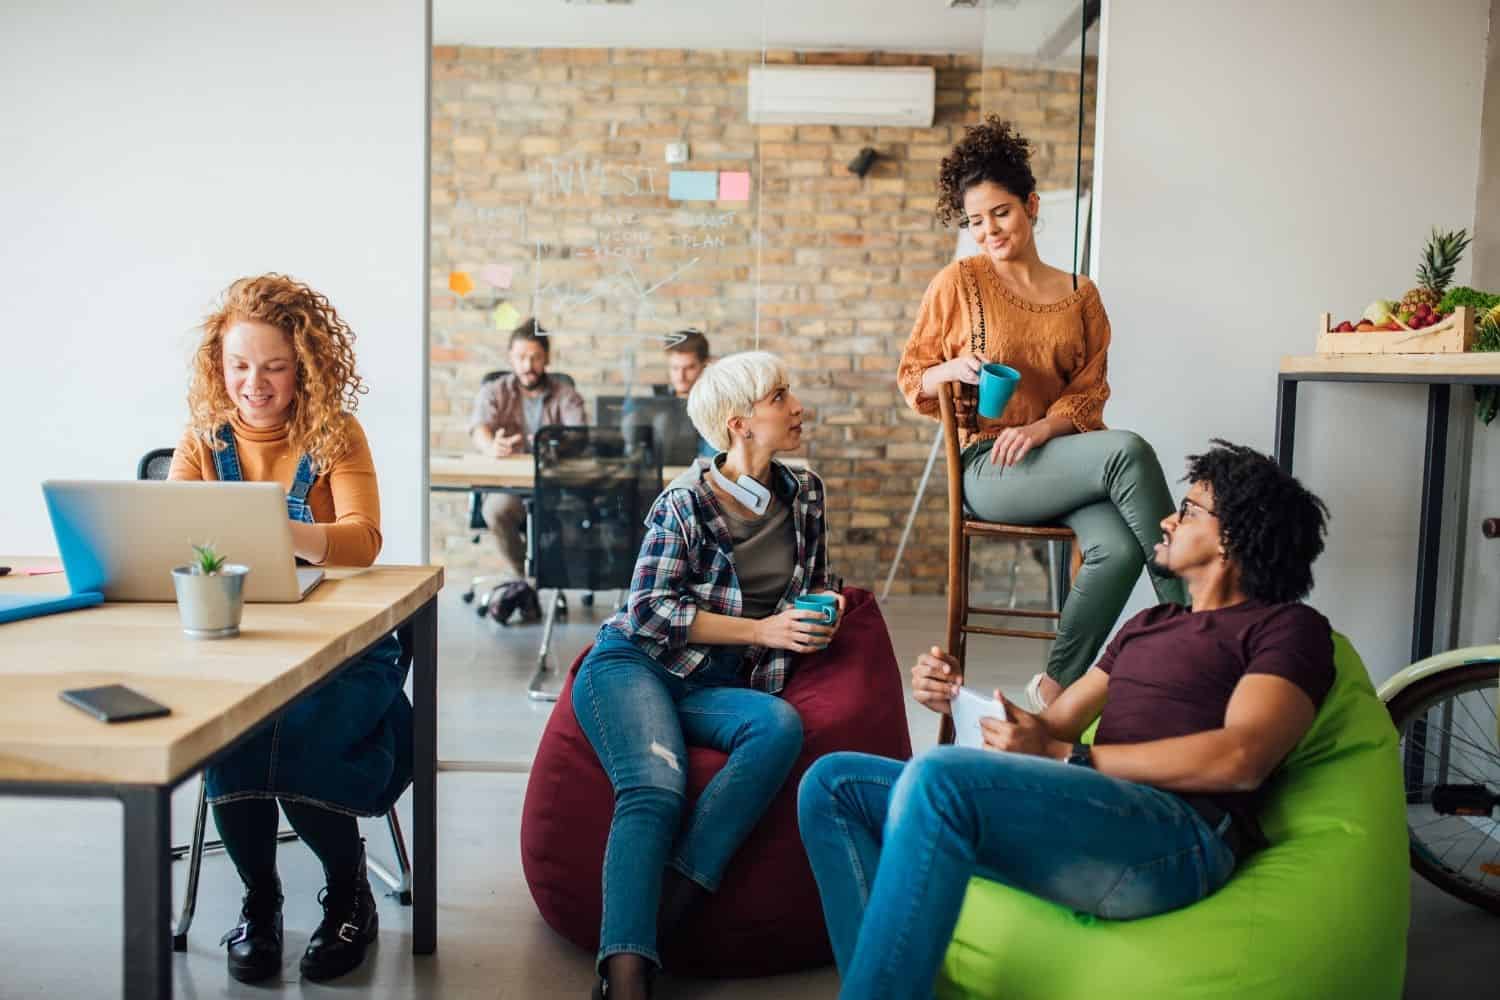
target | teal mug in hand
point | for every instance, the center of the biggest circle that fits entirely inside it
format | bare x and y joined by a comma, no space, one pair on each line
996,385
828,604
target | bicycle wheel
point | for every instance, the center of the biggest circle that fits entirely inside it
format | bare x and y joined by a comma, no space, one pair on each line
1451,755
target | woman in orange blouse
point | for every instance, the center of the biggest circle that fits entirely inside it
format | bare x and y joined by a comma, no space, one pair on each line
272,398
1048,457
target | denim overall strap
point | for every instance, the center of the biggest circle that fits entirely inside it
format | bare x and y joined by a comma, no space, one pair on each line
296,501
227,459
227,466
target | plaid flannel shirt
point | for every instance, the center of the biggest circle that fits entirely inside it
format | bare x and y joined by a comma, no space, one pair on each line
686,565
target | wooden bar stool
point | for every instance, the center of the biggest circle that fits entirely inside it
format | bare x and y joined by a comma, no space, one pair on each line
961,529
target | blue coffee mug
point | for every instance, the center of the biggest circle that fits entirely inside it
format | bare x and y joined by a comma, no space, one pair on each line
996,385
828,604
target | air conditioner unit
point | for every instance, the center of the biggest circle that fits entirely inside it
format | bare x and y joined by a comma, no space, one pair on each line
842,95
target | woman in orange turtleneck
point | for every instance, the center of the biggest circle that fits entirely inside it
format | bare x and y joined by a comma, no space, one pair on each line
272,398
1048,457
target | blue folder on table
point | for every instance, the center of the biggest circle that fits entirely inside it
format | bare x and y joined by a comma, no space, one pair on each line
14,607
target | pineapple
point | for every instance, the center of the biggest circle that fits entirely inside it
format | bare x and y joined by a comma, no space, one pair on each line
1435,273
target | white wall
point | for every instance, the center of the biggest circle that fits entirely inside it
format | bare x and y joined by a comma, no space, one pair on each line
153,156
1260,163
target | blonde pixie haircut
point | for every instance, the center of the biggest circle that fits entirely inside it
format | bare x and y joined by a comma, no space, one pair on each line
730,387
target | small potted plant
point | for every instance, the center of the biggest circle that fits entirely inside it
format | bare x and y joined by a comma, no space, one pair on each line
210,594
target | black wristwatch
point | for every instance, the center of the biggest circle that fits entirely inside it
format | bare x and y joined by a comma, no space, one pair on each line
1082,754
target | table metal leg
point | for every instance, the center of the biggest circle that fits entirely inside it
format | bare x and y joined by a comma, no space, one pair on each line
424,780
148,893
1286,420
1430,530
1429,547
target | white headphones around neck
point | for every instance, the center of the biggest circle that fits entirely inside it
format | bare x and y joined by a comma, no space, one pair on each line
748,490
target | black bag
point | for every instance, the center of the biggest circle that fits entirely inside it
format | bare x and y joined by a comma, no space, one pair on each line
517,595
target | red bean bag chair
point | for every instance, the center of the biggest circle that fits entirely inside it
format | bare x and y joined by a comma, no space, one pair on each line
766,917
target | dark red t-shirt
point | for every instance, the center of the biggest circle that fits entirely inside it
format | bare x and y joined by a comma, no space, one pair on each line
1172,671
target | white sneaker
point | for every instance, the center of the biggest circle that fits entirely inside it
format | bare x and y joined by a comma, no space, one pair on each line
1034,702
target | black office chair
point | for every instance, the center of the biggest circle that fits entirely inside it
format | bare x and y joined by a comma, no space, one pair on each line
591,493
154,465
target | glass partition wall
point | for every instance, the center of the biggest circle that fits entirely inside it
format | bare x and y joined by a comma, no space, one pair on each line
595,168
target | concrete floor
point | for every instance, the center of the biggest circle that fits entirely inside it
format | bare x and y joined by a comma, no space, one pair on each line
60,914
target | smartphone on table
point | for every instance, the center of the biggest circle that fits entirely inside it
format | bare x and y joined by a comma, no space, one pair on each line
114,703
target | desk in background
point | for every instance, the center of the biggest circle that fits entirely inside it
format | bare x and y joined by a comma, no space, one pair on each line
1439,372
465,472
219,691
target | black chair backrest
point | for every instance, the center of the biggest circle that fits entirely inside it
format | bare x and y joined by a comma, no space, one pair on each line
589,500
155,464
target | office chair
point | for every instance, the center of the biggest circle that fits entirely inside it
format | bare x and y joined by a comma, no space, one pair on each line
592,491
154,465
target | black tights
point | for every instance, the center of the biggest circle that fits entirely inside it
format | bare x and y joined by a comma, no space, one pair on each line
248,829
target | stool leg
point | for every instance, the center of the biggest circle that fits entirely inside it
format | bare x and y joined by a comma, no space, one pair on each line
958,617
195,864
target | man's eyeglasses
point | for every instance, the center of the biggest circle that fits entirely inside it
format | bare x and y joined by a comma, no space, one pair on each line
1182,509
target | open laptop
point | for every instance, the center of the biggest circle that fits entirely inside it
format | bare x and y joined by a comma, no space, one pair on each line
123,538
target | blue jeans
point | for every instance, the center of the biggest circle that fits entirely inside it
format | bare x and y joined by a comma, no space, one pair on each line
640,718
893,847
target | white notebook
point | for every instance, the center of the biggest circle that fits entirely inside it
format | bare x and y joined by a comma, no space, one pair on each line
968,708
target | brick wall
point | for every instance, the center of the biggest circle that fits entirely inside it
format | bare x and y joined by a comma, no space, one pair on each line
549,164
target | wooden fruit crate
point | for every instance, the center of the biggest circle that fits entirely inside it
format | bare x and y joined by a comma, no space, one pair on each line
1454,335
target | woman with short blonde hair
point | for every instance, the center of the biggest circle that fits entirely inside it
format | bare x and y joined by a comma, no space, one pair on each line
697,657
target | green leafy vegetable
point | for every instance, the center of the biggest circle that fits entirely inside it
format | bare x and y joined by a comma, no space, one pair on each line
1486,306
1480,302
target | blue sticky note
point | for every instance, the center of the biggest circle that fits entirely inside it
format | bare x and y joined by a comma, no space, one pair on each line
693,185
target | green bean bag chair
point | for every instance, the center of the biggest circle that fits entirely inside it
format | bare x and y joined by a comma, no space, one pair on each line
1320,913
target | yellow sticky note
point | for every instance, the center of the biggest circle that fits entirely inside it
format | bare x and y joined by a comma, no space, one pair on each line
460,283
505,316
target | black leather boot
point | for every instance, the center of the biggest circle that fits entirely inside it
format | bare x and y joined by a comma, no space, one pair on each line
349,924
255,942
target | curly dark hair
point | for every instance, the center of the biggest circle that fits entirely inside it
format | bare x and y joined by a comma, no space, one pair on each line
1271,525
991,151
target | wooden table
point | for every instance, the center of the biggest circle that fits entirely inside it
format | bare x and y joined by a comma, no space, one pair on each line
219,691
515,472
1439,372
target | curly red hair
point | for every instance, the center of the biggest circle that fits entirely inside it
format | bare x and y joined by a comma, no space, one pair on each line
328,388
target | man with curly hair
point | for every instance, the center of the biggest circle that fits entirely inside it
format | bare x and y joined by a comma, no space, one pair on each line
1197,707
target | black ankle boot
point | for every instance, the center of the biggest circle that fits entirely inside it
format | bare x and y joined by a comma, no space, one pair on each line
601,990
349,924
255,942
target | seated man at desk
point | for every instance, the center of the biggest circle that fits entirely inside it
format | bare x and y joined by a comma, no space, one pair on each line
507,413
667,416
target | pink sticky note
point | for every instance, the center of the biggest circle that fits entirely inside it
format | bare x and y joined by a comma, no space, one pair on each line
497,276
734,185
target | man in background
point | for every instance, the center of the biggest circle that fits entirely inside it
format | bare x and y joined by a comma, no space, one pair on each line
507,413
667,417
